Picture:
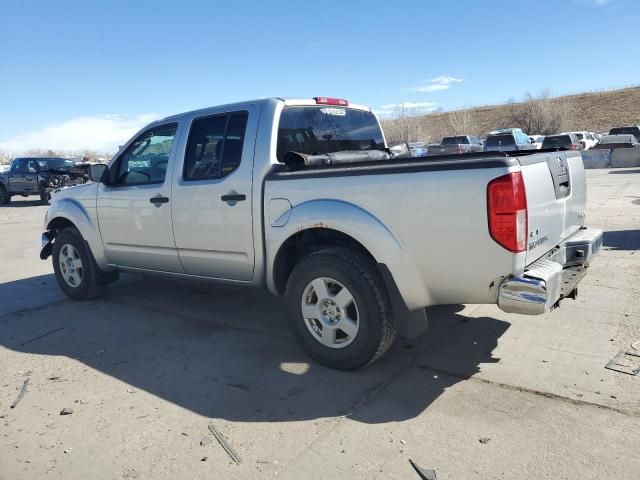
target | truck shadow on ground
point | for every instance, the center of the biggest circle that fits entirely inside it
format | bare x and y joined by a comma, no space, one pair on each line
23,203
226,353
621,239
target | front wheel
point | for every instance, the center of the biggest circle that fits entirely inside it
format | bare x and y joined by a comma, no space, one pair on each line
75,270
339,308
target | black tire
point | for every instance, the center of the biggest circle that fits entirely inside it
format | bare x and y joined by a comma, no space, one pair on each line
45,196
90,286
4,195
376,324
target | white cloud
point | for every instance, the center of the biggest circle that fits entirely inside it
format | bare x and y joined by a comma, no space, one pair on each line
601,3
412,108
443,82
102,133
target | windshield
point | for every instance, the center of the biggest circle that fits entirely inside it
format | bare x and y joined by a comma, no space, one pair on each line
317,130
635,131
455,141
497,140
48,163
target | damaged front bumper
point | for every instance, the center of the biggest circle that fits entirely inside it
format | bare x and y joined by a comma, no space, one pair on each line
551,278
46,242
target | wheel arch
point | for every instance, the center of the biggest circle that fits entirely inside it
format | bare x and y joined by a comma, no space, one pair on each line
70,213
324,223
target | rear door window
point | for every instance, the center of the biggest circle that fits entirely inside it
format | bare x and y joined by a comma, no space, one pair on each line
317,130
214,149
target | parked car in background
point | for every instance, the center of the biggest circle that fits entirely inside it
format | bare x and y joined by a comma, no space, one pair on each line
611,142
568,141
457,145
507,140
418,149
536,141
630,130
301,197
40,176
587,139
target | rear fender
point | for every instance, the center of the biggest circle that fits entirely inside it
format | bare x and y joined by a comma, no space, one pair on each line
383,245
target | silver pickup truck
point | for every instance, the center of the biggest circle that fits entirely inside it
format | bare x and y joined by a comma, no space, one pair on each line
304,197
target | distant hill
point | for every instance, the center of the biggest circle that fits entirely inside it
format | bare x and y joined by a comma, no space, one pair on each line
594,111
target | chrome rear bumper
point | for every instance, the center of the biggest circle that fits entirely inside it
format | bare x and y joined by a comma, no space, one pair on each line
553,277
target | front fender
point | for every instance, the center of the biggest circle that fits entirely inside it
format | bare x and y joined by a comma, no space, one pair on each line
84,219
361,225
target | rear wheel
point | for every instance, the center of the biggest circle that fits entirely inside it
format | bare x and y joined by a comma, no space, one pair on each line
45,196
339,309
75,270
4,195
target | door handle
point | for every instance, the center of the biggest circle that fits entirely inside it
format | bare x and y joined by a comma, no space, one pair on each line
233,197
159,199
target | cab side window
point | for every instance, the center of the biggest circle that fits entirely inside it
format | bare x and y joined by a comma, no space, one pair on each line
214,149
145,160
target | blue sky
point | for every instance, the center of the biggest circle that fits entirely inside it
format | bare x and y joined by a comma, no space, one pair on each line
84,74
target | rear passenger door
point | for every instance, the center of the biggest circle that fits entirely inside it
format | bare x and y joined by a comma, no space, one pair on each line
17,173
212,196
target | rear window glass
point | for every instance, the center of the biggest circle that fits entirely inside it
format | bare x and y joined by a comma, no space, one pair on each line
635,131
455,141
326,129
497,140
557,141
580,136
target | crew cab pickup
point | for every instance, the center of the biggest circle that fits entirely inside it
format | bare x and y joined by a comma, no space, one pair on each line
457,145
304,197
39,176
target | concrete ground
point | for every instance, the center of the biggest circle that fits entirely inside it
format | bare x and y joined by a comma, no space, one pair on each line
150,366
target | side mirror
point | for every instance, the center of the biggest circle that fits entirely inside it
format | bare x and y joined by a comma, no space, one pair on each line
400,150
99,173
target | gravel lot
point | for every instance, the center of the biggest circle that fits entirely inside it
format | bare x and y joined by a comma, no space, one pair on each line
150,366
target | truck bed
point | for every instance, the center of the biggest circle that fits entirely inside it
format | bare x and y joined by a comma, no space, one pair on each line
437,206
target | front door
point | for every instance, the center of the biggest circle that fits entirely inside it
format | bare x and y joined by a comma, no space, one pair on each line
134,210
212,208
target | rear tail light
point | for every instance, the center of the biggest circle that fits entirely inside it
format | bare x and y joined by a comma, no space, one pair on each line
573,147
507,211
331,101
459,149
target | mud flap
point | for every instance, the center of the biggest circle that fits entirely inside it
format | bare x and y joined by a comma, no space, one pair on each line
410,324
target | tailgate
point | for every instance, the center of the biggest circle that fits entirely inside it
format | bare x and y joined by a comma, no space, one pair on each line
556,199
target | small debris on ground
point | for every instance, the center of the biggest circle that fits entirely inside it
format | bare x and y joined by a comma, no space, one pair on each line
66,411
425,473
221,440
484,440
203,459
68,450
23,390
404,442
206,441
